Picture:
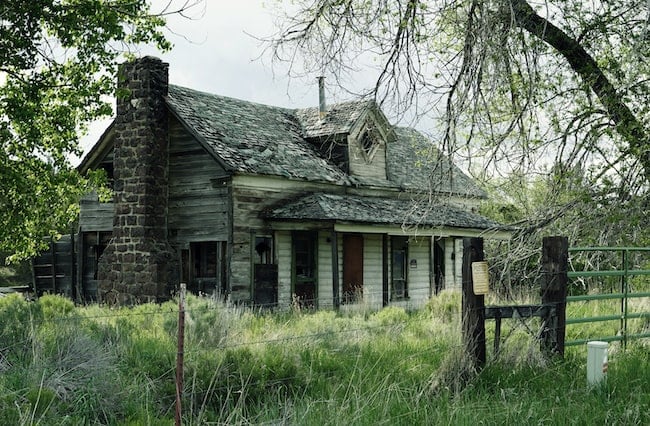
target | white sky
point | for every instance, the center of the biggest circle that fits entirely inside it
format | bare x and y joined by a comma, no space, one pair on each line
217,52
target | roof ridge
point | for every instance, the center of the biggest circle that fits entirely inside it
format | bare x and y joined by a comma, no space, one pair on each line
287,109
239,100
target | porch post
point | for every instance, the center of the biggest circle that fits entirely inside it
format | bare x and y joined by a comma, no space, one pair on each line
384,269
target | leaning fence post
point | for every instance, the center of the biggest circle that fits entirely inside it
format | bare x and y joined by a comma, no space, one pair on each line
473,305
555,264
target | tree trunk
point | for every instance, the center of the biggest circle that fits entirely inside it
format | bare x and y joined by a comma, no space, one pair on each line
627,125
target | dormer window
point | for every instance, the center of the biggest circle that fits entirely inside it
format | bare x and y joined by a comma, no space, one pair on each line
369,142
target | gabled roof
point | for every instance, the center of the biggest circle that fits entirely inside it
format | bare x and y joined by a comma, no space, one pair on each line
260,139
358,209
251,138
415,163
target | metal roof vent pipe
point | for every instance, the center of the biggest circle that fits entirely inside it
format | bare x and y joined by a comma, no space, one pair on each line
322,107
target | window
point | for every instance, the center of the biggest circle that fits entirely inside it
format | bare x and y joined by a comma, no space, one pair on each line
304,267
265,272
204,267
93,245
369,141
399,267
264,250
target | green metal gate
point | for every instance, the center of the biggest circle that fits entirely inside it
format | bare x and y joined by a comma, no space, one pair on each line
623,271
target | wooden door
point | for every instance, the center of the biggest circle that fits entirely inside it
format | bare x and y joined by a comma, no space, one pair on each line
304,268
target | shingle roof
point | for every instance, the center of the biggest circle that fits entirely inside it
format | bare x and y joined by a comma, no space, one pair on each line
250,137
415,163
261,139
338,119
358,209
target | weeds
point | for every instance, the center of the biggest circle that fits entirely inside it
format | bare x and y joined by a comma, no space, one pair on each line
78,365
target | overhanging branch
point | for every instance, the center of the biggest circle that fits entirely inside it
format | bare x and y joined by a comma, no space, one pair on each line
627,125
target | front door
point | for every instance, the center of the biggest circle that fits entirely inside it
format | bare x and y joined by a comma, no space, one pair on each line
265,272
352,268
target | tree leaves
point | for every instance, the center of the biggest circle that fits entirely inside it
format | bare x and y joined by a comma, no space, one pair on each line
57,62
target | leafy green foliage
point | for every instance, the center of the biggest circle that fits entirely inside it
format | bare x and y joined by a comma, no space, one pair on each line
57,61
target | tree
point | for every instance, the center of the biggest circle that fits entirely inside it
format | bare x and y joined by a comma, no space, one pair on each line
563,82
553,92
57,62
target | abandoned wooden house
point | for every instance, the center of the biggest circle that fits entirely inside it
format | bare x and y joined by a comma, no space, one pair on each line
267,205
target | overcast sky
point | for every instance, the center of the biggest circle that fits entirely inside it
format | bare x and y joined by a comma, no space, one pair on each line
217,52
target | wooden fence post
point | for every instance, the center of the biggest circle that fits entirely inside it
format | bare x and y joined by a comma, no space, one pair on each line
473,305
555,264
180,354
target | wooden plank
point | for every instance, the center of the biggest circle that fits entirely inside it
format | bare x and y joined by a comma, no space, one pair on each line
518,311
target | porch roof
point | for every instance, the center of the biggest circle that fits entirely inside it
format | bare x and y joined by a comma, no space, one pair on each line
373,210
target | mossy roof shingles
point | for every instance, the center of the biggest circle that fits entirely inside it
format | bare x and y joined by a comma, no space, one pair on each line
260,139
415,163
338,119
251,138
374,210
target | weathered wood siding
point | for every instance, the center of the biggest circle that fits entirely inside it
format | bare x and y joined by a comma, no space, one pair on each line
283,257
359,163
325,290
372,270
251,195
95,216
453,262
199,207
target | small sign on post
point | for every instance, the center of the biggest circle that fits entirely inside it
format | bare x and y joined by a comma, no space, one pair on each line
480,277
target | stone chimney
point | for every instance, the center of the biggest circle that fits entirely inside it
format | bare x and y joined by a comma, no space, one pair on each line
139,265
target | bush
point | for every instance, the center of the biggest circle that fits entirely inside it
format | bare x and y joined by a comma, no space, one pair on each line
391,315
445,306
55,306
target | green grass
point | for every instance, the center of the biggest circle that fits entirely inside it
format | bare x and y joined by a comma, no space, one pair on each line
62,364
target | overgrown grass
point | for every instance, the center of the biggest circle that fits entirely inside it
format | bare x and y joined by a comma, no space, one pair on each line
62,364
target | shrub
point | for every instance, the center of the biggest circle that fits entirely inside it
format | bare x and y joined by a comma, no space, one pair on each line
391,315
55,306
445,305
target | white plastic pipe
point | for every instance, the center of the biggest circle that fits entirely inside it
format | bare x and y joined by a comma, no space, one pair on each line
596,362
